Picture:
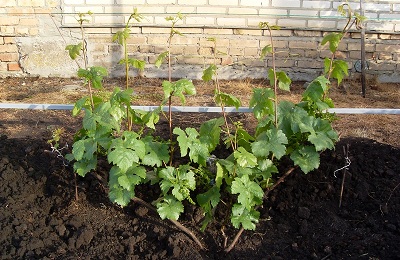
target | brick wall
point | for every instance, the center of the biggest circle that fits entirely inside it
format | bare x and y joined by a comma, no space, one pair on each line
19,18
26,29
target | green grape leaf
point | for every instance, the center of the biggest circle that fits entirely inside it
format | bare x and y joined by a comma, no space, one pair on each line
137,64
188,140
250,193
183,140
306,157
181,180
339,70
179,89
121,36
262,102
84,166
120,190
219,176
265,51
324,136
209,73
333,39
207,201
244,158
121,196
282,78
74,50
160,59
132,178
169,208
93,74
79,105
242,216
123,158
131,141
272,140
210,132
227,100
156,153
266,167
293,119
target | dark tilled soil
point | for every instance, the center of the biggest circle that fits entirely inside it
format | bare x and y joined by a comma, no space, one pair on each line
40,218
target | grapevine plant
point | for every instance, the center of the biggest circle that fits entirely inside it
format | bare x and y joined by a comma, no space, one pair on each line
237,184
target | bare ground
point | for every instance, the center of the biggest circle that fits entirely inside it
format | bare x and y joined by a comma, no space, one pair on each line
40,218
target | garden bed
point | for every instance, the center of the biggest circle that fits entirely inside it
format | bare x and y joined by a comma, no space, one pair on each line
301,219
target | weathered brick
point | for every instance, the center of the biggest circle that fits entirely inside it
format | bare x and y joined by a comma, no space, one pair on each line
92,8
231,21
316,4
296,23
161,2
9,20
109,19
206,51
277,44
129,2
225,2
160,49
33,31
236,51
301,33
210,31
9,56
74,2
13,66
180,9
228,60
197,60
8,40
191,50
242,11
20,10
317,24
235,43
254,32
155,30
31,3
8,48
146,49
137,40
190,2
254,3
7,3
28,21
21,30
3,66
382,66
7,30
287,3
1,40
311,54
310,64
303,44
251,62
385,56
184,40
102,30
201,20
157,40
42,10
100,2
251,52
387,47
